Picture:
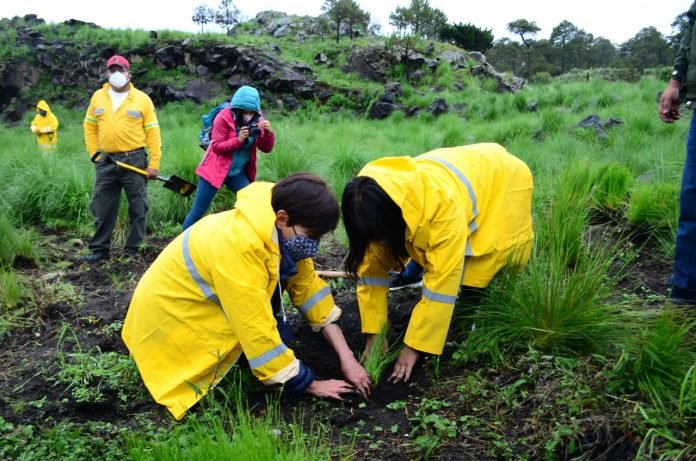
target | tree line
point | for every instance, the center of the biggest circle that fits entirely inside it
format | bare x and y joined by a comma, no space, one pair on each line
568,47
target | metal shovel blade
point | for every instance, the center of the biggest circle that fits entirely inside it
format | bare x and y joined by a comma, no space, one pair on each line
178,185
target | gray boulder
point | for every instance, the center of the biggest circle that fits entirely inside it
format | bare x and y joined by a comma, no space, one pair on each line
381,110
456,59
438,107
601,127
368,62
202,89
486,71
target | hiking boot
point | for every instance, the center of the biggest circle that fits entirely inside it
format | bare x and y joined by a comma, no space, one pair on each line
681,297
93,258
397,281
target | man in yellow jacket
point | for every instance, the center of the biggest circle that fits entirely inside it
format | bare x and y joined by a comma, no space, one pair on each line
45,127
460,213
120,121
208,297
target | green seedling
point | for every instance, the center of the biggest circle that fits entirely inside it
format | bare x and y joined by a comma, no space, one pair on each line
378,357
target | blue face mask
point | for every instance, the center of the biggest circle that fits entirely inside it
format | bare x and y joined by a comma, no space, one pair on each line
301,247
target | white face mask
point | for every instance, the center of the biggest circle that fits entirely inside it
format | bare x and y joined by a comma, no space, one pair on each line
118,80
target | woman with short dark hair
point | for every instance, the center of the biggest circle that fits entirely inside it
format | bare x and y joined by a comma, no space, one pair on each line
460,213
209,297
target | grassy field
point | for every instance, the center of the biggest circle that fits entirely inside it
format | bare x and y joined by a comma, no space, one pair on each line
604,201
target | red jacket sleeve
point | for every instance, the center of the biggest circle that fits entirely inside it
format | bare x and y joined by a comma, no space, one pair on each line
266,141
224,138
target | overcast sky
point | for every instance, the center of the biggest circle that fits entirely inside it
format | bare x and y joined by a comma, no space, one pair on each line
617,20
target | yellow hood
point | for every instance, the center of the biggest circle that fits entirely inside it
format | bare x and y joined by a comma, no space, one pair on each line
43,105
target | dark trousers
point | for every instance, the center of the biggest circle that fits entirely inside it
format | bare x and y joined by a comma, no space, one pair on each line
684,277
106,200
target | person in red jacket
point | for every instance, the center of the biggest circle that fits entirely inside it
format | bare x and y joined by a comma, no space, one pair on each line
230,159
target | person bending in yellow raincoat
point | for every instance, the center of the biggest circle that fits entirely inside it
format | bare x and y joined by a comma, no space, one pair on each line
45,127
461,213
208,297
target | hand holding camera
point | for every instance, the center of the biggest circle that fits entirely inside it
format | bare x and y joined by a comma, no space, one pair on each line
253,125
243,134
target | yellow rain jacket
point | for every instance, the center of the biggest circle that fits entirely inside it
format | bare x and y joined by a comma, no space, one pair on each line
468,213
45,127
207,298
132,126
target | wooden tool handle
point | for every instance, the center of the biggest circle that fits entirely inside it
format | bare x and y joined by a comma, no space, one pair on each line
333,274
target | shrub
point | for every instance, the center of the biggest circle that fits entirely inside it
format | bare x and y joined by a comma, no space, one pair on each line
542,78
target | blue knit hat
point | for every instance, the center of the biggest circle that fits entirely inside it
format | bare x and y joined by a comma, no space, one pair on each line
246,98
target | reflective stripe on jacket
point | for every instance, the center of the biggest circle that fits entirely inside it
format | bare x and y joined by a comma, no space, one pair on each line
133,125
46,126
207,299
468,213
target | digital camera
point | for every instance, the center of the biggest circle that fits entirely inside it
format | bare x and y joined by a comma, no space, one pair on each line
253,126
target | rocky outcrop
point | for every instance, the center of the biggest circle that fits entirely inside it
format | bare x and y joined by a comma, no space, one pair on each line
199,72
277,24
369,62
78,68
485,71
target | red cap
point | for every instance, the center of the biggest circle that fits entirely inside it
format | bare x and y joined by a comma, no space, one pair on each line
117,60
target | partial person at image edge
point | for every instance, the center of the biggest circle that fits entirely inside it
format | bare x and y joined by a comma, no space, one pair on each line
682,87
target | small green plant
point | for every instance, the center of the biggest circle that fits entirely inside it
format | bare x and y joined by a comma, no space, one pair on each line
378,357
396,405
11,290
431,427
91,376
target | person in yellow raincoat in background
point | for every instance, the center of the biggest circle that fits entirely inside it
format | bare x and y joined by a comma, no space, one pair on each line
209,296
460,213
45,127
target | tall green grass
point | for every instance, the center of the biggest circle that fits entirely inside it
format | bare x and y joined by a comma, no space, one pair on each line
658,362
55,191
559,302
655,207
227,434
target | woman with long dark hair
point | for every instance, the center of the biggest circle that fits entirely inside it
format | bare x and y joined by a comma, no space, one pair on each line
460,213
